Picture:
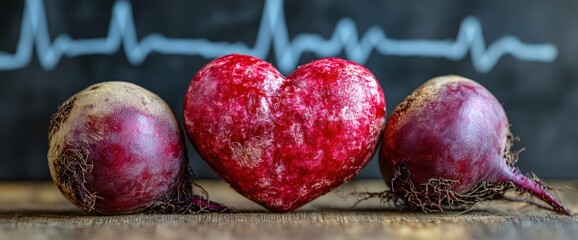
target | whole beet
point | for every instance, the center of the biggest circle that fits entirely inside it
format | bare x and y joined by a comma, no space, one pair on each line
448,144
117,148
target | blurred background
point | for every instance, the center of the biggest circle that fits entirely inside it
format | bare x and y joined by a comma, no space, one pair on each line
522,51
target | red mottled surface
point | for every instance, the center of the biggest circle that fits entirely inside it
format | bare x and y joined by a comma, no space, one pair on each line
280,141
136,158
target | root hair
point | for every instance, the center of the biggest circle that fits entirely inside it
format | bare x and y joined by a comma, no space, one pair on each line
183,200
71,169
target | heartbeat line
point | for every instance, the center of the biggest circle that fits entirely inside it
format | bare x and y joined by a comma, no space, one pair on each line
272,35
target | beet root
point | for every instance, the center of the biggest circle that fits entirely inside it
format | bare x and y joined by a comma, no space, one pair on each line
116,148
448,144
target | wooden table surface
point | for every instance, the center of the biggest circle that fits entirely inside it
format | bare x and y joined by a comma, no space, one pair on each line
36,210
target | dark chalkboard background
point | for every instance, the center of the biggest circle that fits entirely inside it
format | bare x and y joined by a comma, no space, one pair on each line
541,98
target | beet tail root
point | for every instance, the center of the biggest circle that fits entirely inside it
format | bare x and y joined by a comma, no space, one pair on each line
538,190
209,206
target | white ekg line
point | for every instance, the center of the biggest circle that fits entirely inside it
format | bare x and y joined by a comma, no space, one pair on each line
272,31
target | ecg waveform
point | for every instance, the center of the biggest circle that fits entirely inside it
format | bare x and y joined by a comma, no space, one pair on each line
272,35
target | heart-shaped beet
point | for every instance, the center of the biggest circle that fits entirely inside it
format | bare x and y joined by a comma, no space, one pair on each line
282,142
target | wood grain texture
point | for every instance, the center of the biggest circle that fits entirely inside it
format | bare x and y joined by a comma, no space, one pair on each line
38,211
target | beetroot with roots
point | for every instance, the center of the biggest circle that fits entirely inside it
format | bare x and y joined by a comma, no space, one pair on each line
448,144
116,148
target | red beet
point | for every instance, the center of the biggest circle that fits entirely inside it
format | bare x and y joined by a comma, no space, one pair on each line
280,141
117,148
448,144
